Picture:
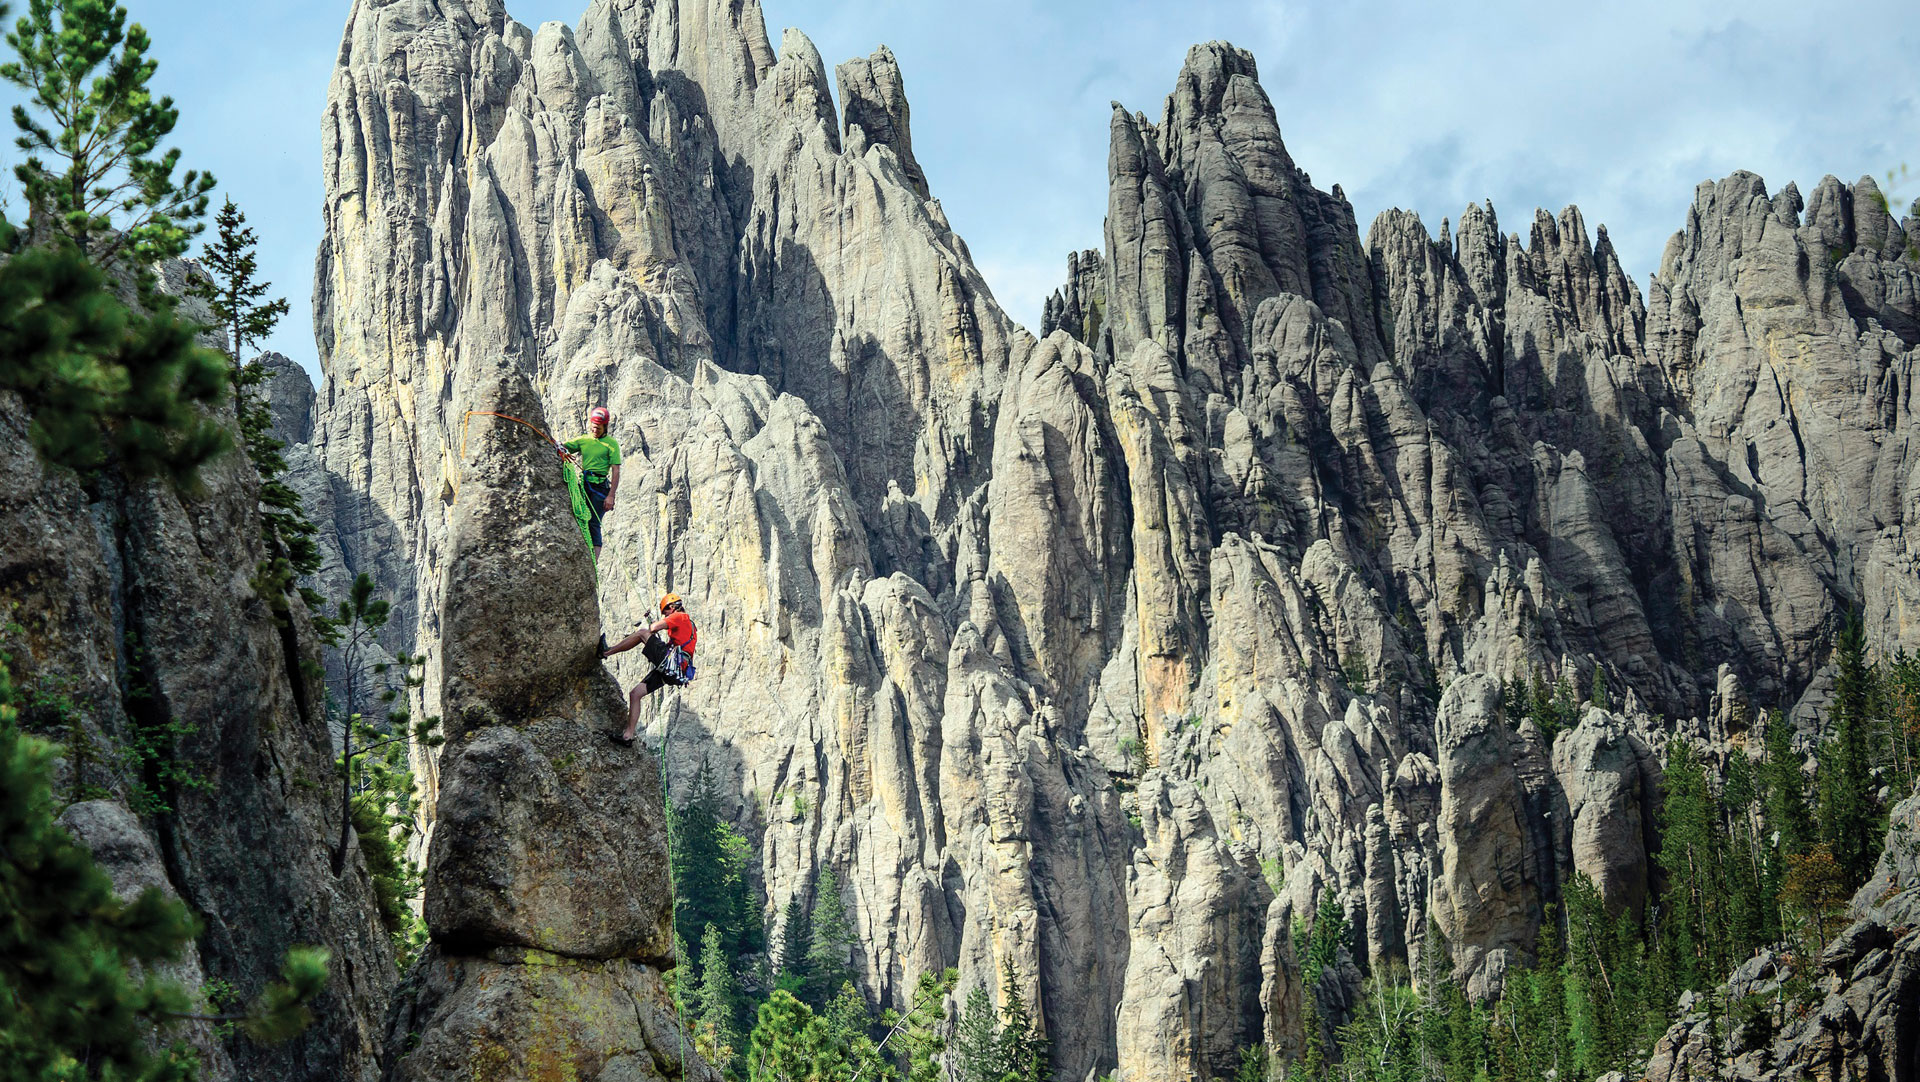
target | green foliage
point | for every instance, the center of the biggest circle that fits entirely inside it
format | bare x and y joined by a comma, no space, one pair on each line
1899,731
788,1043
1783,785
1134,753
715,1003
1381,1043
1325,938
71,1009
1552,707
235,298
914,1035
974,1054
1319,944
794,968
90,128
1815,892
1255,1064
376,778
281,1013
1024,1052
1852,823
104,384
1354,674
828,968
157,772
711,866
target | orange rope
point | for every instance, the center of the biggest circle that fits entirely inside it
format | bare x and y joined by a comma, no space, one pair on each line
468,419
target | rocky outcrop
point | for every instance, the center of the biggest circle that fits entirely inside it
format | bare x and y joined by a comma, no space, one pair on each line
548,898
288,395
196,738
1860,1017
1102,654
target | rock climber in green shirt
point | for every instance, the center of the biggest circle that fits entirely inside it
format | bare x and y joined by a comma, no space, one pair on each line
598,457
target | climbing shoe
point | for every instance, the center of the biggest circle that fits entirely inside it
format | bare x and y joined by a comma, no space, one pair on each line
623,741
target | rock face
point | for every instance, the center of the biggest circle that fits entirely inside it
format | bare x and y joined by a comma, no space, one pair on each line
289,396
1105,654
197,741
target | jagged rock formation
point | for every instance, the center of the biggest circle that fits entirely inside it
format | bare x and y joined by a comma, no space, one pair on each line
548,896
1108,653
288,394
198,741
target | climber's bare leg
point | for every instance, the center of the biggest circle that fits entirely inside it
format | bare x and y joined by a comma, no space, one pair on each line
639,692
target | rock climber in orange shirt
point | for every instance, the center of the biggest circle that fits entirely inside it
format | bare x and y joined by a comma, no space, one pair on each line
669,641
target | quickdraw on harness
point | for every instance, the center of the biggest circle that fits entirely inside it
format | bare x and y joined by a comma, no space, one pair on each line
677,665
668,658
576,488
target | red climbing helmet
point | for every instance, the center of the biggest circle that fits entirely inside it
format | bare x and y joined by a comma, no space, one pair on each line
600,414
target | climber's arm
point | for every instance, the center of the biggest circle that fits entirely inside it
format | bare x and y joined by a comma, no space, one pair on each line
613,485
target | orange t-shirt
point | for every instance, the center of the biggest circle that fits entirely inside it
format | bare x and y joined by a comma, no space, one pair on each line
680,631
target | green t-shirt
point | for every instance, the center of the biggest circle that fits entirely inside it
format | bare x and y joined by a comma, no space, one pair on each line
597,455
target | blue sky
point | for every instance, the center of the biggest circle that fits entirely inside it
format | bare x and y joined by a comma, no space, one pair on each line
1621,108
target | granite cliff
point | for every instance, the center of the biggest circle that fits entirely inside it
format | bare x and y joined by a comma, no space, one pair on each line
1104,654
198,757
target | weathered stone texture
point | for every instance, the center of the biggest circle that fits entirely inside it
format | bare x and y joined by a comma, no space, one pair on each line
1102,654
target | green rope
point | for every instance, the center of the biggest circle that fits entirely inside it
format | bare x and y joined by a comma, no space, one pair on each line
582,510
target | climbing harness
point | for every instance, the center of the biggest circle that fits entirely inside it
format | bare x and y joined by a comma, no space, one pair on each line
576,488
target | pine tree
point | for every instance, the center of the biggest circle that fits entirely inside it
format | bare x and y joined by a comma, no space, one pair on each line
232,294
1783,783
1253,1064
711,862
104,384
1751,919
846,1020
91,113
1850,818
1381,1044
71,1009
789,1043
913,1036
1545,1008
974,1055
794,970
1902,727
1816,891
1323,941
1604,987
715,1003
1024,1051
832,942
235,299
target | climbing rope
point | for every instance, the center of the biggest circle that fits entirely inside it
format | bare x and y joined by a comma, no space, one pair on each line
471,414
576,487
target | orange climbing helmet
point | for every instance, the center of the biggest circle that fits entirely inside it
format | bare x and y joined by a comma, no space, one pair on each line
600,414
670,599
